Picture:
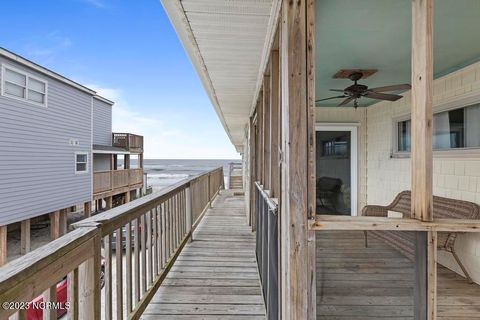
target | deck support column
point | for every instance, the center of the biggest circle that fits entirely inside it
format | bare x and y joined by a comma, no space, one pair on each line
54,225
421,156
108,202
127,197
298,142
25,237
87,209
3,245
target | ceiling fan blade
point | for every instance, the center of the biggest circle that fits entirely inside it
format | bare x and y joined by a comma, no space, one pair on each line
382,96
346,101
337,97
404,86
337,90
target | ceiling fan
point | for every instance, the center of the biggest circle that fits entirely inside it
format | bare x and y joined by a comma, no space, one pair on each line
357,91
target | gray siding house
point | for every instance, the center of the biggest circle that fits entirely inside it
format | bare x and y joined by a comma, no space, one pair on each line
54,135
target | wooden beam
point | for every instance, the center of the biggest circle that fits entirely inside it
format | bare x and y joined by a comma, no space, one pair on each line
260,140
295,273
25,237
63,228
3,245
253,170
87,209
54,225
330,223
274,123
422,100
432,275
311,158
89,284
266,133
108,202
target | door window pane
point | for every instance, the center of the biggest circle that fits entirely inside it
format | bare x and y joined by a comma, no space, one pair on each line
333,170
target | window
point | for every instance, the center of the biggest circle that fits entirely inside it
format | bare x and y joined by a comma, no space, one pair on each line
454,129
20,85
81,162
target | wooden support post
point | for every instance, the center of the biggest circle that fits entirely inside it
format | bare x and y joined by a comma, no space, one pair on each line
260,146
188,211
3,245
72,281
54,225
126,161
420,283
63,228
25,237
296,247
89,284
266,133
432,275
253,171
274,124
115,161
108,202
422,100
87,209
311,159
127,197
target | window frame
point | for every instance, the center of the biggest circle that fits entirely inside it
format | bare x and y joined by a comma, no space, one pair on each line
447,105
86,163
28,76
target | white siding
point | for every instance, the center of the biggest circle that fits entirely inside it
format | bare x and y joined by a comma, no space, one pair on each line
102,123
37,162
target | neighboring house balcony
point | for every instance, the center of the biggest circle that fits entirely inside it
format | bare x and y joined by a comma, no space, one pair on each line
128,141
113,182
118,168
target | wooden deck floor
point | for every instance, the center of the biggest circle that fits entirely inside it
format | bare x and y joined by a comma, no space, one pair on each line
358,283
215,276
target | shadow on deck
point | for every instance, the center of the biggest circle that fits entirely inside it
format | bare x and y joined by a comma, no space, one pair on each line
215,276
358,283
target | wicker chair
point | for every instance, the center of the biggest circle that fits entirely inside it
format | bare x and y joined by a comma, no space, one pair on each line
445,208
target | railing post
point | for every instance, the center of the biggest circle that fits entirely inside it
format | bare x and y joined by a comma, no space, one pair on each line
209,193
188,209
89,284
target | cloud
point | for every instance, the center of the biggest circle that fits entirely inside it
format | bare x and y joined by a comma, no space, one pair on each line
97,3
166,136
48,46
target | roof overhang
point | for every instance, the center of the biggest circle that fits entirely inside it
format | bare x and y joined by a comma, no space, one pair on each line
228,43
100,149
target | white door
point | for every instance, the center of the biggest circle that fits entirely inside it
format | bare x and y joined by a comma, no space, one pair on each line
336,169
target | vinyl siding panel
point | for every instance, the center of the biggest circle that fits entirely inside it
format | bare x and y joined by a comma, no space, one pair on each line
37,161
102,123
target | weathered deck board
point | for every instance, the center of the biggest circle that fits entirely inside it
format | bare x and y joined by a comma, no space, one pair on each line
358,283
215,276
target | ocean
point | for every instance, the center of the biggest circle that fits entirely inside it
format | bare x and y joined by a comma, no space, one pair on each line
162,173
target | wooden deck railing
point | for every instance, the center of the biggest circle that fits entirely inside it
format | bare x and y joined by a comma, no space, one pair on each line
128,141
267,249
114,179
147,234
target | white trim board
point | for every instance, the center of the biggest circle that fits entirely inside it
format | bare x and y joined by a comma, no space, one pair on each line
352,128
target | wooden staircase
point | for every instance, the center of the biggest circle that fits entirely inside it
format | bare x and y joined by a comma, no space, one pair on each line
235,176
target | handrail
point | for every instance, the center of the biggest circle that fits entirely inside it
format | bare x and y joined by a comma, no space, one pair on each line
26,278
272,204
152,230
267,248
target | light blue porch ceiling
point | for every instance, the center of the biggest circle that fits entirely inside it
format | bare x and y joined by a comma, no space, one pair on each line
376,34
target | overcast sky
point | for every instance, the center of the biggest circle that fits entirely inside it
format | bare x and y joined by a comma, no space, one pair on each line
129,52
